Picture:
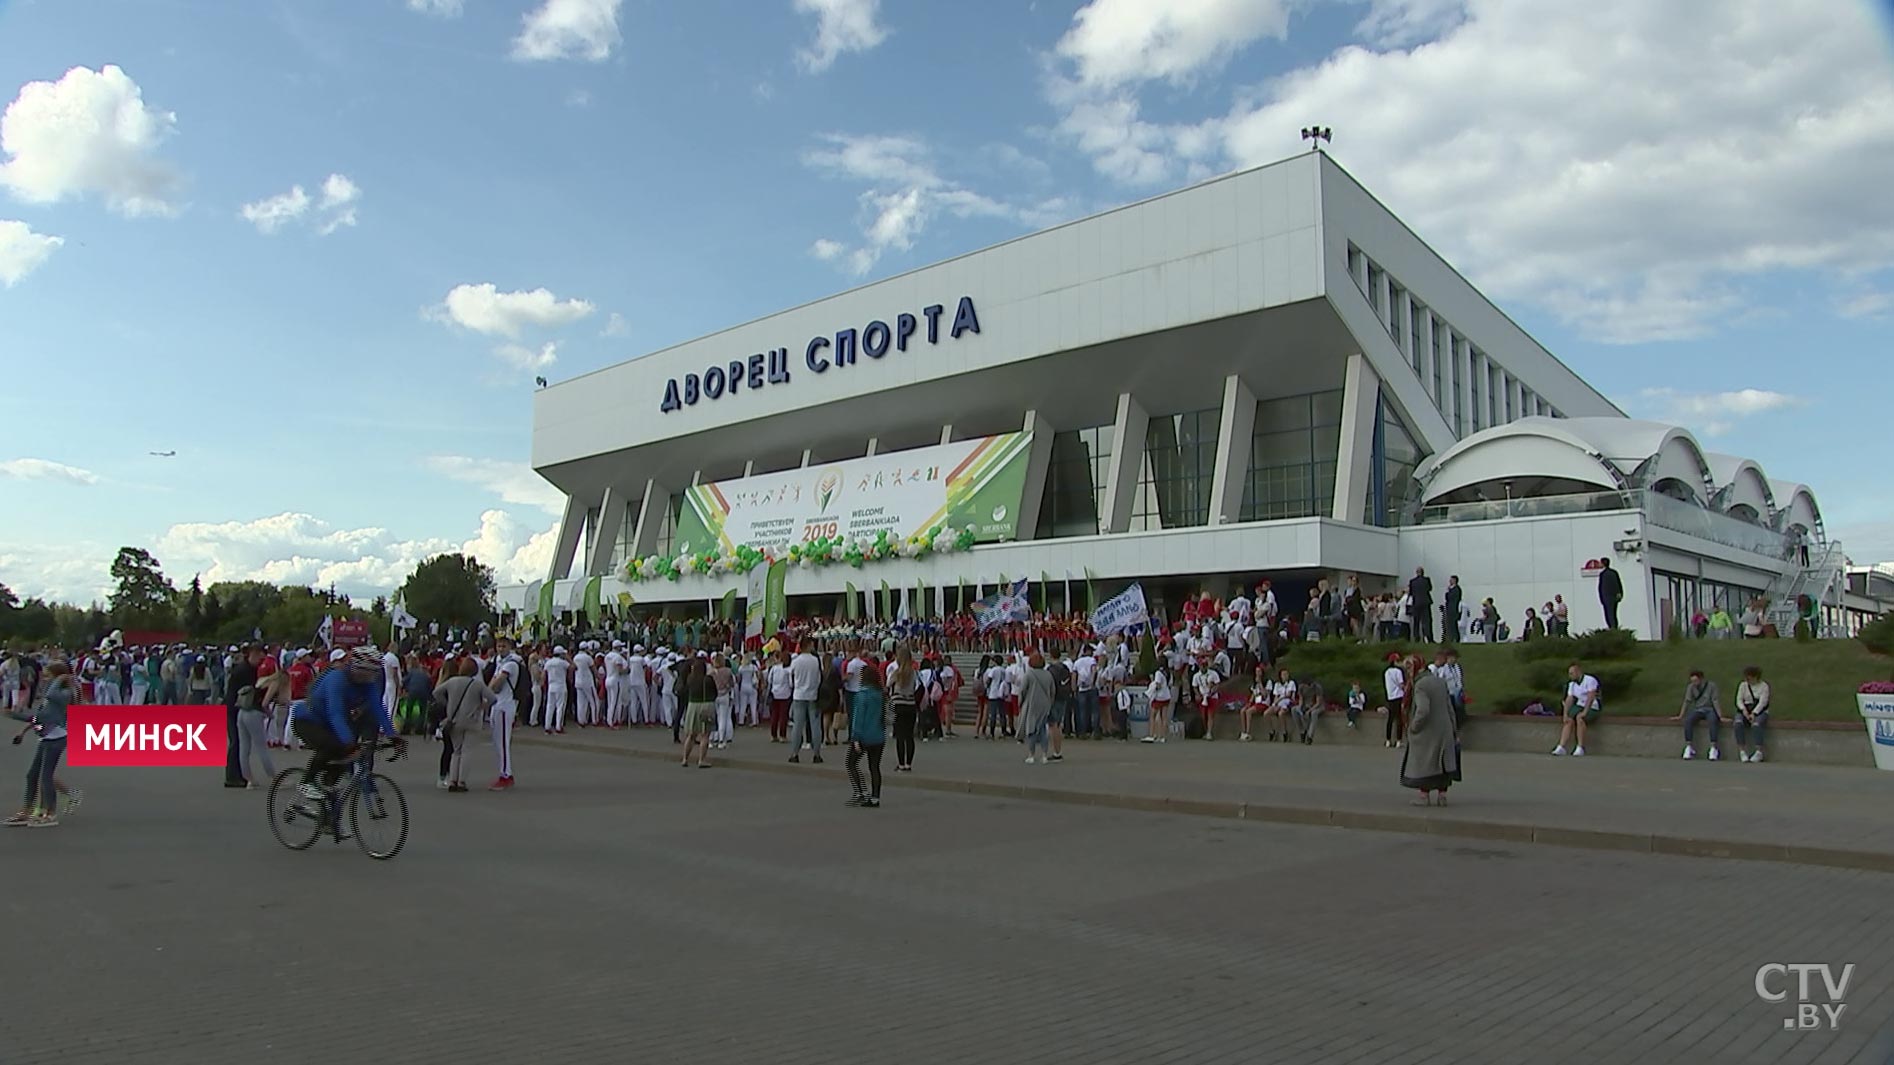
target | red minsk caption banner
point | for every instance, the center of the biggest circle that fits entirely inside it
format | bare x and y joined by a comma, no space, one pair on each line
146,736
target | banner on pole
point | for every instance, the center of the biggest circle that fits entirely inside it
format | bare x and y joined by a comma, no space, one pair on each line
756,600
591,599
1126,610
776,600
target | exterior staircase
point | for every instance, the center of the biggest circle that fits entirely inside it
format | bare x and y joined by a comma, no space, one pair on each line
1824,580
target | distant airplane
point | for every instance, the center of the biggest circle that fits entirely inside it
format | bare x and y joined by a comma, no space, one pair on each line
164,454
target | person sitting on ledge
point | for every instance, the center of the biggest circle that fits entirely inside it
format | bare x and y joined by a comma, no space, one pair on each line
1700,703
1752,713
1581,705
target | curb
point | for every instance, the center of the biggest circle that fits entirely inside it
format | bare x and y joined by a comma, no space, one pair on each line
1409,824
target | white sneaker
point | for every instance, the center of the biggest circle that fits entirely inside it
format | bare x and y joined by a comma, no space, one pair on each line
1689,752
1245,737
1578,752
1029,759
441,784
1715,755
1559,751
312,792
1744,755
1757,757
1148,739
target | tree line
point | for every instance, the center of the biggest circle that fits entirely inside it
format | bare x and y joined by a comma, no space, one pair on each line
452,589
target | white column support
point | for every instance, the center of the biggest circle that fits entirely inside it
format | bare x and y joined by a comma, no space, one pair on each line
947,433
611,521
1233,451
1038,465
1127,458
1355,464
874,446
807,455
571,532
749,467
644,539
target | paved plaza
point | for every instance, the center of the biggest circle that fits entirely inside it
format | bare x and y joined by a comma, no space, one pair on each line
620,909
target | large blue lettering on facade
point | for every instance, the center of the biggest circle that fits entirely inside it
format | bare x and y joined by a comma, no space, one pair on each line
877,339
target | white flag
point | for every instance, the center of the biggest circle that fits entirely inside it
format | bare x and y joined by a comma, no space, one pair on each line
323,630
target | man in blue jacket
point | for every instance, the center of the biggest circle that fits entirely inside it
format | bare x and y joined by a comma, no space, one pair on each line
343,707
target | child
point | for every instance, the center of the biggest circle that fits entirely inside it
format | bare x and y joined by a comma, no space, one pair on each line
1157,725
1124,711
1357,702
48,718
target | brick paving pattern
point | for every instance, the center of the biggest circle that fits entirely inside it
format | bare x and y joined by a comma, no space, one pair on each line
621,909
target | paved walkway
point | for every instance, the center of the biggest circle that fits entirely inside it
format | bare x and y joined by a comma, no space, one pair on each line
1769,812
615,910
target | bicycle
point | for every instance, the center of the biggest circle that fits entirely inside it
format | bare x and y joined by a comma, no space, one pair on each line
370,800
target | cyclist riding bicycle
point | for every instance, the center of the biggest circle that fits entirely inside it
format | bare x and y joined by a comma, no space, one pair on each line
343,708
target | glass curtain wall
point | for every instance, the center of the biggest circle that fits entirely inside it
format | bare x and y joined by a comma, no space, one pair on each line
1293,452
1074,498
1180,455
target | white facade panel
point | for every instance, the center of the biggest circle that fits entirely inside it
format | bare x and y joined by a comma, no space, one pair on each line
1524,562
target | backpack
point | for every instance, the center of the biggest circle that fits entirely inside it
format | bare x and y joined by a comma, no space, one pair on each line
522,684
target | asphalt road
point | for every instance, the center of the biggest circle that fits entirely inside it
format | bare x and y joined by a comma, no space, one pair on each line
615,910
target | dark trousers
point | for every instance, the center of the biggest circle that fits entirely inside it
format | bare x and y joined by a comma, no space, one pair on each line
447,752
325,751
1396,730
233,761
778,719
1424,622
1449,625
873,751
904,715
1611,614
1085,714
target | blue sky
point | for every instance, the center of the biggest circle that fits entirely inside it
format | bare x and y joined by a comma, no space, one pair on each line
1693,216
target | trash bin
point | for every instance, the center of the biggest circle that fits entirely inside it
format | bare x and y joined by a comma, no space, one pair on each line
1877,713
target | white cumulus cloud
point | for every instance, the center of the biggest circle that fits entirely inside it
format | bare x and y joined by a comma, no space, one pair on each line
22,251
1714,412
1626,166
616,326
437,8
841,26
569,29
335,209
46,470
485,309
521,357
89,133
905,193
513,482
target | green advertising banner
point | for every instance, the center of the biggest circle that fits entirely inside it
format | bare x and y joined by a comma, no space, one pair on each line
776,603
591,607
974,484
545,603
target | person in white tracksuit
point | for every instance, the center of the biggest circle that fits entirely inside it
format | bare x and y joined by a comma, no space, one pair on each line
104,670
637,688
501,714
746,690
726,681
557,668
390,681
584,688
667,690
615,686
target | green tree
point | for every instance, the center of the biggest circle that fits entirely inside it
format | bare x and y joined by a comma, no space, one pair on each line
9,612
451,589
379,609
35,622
193,613
213,609
143,598
248,602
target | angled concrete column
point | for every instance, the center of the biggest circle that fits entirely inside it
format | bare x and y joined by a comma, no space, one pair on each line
947,434
644,539
1127,459
571,531
1038,464
611,521
1233,451
807,456
749,467
1354,467
874,446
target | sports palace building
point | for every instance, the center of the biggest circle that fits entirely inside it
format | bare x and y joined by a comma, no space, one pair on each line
1264,374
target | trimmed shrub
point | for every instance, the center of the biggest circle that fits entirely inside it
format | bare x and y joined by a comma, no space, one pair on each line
1600,644
1614,679
1878,635
1507,702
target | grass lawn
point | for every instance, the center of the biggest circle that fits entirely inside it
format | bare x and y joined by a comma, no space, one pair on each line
1808,681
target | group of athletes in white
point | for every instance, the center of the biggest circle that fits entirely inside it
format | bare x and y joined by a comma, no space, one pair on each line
618,686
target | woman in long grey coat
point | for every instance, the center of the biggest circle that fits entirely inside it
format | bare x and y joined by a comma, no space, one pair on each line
1035,708
1431,762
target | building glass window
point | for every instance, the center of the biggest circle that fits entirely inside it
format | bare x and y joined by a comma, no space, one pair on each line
627,536
1417,336
1180,454
667,527
1375,277
1495,381
1391,468
1075,483
591,536
1442,355
1355,272
1452,346
1293,452
1476,379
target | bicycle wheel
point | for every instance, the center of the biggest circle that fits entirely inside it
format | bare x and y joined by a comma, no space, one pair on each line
288,823
378,816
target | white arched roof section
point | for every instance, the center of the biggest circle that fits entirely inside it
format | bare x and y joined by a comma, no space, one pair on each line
1530,449
1649,452
1741,483
1797,505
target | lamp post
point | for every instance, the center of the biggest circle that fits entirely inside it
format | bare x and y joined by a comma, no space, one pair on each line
1315,135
